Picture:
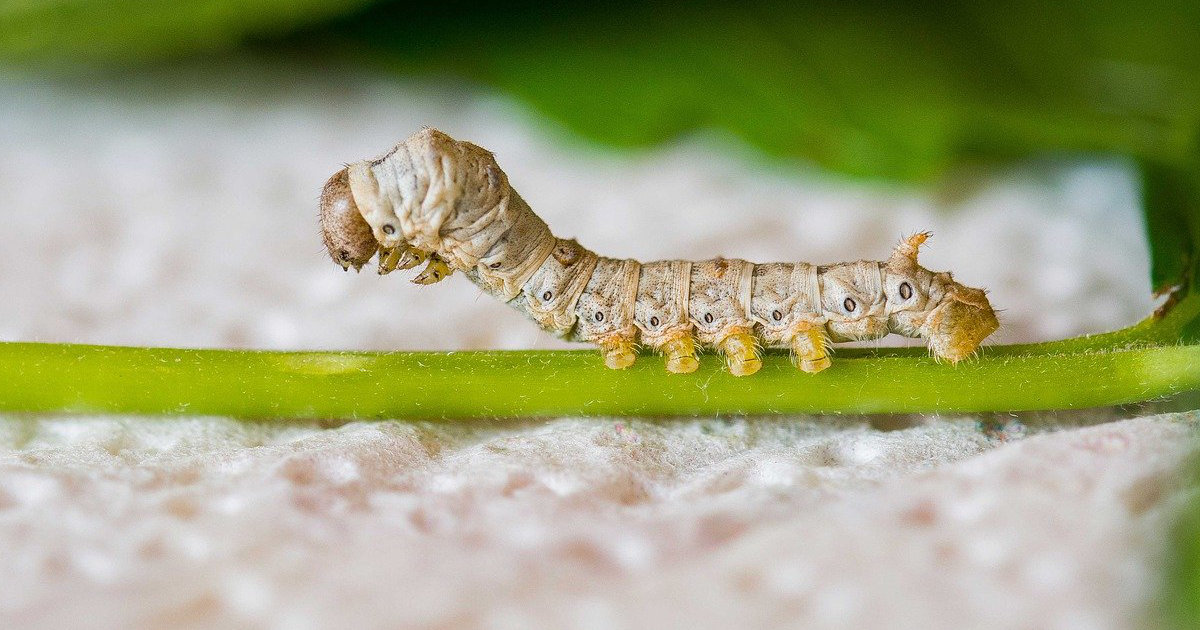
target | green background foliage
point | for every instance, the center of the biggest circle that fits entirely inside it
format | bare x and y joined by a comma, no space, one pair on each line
98,33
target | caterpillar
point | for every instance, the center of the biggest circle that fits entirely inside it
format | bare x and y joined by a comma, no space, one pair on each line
444,203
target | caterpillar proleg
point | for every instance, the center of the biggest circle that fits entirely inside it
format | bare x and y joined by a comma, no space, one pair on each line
445,203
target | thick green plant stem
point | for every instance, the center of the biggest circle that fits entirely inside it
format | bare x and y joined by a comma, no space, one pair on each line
434,385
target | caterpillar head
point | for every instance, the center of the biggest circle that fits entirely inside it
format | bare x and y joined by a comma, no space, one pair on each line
953,319
347,235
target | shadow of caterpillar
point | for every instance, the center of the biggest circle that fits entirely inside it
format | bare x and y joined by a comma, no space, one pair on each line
445,203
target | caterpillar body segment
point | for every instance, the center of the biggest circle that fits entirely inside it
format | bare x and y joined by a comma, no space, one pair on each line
446,203
661,313
551,294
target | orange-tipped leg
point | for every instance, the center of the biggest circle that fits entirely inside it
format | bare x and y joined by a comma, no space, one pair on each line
618,352
808,350
680,352
741,352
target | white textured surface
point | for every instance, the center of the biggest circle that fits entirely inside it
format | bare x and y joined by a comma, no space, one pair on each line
179,210
581,524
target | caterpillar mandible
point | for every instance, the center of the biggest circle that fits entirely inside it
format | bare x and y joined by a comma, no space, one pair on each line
445,203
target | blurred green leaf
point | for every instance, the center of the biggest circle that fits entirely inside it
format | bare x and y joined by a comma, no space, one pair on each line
879,89
93,32
1171,204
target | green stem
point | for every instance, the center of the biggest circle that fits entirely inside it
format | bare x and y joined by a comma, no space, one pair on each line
105,379
1158,329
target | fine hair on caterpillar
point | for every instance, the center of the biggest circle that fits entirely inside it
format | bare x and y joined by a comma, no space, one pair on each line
444,203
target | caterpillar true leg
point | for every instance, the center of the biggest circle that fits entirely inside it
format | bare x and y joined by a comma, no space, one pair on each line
411,257
435,271
403,256
388,258
448,204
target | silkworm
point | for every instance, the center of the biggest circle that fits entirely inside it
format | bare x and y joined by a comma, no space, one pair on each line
447,204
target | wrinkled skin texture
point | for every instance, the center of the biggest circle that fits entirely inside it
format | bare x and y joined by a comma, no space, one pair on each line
433,196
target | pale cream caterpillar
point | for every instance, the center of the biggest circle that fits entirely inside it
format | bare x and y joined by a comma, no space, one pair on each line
435,200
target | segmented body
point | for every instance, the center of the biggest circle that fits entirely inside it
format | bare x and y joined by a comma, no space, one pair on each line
433,195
